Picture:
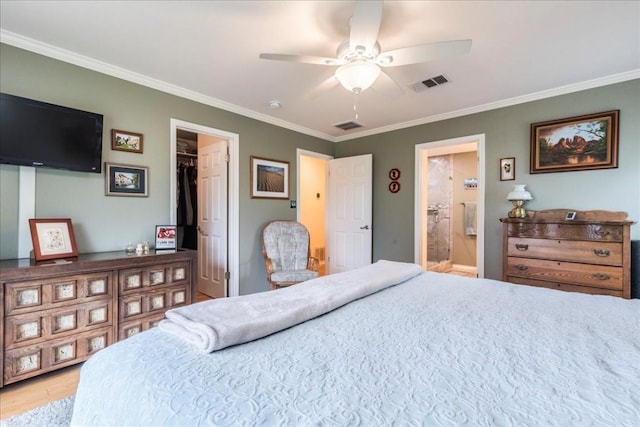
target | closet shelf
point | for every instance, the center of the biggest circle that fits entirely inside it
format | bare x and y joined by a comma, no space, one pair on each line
189,155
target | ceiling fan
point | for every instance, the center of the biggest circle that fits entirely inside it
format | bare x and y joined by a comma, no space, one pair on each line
360,61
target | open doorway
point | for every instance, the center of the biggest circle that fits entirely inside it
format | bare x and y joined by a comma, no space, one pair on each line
214,221
311,200
449,200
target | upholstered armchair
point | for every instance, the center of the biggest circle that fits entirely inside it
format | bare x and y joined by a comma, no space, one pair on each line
285,246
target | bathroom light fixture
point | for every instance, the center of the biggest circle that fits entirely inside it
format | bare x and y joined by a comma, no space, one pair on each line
518,196
358,75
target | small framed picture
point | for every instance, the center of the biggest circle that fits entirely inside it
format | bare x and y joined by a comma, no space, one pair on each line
126,180
166,237
123,140
508,169
269,179
52,238
570,216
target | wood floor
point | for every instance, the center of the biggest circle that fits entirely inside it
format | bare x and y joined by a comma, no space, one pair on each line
32,393
28,394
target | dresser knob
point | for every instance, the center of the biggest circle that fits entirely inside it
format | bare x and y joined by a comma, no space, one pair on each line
601,276
521,247
521,267
601,252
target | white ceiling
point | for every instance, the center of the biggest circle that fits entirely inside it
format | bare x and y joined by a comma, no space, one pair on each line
208,51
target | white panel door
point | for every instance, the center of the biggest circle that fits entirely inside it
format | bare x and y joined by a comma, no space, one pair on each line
349,216
212,216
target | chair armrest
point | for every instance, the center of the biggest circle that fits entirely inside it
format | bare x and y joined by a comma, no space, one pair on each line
313,264
269,265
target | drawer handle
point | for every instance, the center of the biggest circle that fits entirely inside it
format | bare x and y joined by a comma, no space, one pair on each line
521,247
521,267
602,252
601,276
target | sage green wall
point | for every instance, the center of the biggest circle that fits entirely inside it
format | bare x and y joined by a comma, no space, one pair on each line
507,135
107,223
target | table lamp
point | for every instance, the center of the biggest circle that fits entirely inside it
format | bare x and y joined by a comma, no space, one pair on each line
518,196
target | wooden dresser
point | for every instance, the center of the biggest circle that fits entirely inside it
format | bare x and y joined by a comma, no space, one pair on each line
58,314
590,254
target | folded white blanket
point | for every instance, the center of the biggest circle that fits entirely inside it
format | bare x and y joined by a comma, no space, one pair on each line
219,323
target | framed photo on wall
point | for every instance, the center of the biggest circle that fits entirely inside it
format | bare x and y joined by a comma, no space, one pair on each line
508,169
576,143
269,178
126,180
52,238
123,140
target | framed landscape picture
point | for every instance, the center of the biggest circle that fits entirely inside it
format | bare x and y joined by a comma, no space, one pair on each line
269,179
126,180
576,143
123,140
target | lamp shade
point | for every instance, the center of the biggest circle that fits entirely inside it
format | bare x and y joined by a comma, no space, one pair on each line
357,76
519,193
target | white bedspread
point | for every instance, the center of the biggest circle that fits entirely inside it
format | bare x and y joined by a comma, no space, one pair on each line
435,350
220,323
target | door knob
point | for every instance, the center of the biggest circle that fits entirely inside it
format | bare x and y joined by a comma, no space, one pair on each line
366,227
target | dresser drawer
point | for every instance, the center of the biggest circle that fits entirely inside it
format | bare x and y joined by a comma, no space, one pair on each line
134,327
153,301
29,361
132,281
40,326
596,232
21,297
564,286
590,252
599,276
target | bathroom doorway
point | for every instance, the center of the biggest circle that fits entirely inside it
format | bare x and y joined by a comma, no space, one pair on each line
450,206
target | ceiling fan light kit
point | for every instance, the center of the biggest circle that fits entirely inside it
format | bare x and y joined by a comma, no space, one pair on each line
358,75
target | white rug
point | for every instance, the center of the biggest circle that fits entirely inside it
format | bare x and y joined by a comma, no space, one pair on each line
54,414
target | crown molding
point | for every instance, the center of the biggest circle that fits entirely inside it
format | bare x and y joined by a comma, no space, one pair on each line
16,40
562,90
51,51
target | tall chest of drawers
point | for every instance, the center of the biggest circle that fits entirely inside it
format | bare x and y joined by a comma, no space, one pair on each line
590,254
58,314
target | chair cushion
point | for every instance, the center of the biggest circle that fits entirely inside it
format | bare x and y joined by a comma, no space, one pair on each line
293,276
287,245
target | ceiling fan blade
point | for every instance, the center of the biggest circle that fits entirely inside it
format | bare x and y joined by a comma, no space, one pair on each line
365,25
323,87
387,86
423,53
305,59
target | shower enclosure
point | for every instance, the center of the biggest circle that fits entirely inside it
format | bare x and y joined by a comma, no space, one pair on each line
438,209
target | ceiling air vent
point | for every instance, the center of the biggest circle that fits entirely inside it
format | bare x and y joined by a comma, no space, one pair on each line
428,83
348,125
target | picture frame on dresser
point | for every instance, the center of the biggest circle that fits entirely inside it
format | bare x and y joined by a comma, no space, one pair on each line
52,238
166,236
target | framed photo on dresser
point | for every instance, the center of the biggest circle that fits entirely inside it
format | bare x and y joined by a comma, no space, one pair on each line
52,238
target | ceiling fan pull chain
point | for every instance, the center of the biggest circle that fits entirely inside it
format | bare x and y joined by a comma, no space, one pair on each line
355,105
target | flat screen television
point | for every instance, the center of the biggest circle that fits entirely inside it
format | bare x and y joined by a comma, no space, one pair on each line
35,133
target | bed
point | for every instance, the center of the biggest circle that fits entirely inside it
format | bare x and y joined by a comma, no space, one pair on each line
431,349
